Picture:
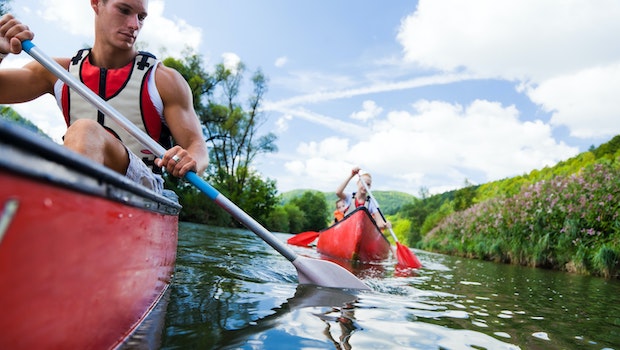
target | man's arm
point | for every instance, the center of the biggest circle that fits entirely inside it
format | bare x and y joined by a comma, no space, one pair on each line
26,83
183,123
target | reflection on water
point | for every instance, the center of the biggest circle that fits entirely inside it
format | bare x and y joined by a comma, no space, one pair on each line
231,290
332,306
148,334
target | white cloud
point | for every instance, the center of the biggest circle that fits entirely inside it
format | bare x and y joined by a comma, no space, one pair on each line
326,121
168,36
74,16
559,50
160,35
231,61
369,111
45,115
374,87
282,123
316,173
331,148
281,61
514,39
586,102
313,82
438,145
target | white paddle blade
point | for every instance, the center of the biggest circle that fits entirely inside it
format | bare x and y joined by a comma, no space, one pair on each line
326,274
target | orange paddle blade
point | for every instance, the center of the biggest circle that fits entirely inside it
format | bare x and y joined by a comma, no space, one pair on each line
406,258
303,239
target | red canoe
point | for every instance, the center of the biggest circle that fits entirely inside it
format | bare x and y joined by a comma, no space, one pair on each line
355,238
85,254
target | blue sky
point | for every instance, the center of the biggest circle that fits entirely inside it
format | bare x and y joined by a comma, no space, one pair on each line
419,93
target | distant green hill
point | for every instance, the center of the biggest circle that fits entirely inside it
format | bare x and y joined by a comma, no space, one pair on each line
389,201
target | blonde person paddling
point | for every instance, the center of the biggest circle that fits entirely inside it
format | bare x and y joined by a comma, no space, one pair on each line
361,197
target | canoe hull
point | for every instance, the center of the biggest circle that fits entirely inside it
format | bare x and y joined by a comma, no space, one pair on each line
355,238
84,257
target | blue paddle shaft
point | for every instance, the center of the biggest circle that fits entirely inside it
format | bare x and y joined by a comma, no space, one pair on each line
240,215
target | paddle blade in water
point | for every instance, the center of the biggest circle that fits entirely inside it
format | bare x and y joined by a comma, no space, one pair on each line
406,258
326,274
303,239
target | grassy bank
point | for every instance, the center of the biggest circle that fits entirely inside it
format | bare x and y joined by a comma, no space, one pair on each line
568,223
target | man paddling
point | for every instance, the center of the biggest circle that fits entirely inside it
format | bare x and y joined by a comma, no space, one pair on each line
155,98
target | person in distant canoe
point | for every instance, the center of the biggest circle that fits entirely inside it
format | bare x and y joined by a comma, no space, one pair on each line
361,197
152,96
341,208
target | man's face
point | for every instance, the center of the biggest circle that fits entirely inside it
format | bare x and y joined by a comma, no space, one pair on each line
120,21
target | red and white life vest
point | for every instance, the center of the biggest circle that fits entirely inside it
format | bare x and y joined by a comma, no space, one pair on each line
353,204
125,89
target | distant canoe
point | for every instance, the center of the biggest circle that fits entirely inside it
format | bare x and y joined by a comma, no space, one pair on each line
85,254
355,238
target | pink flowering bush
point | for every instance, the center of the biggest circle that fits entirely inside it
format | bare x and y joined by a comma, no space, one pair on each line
567,222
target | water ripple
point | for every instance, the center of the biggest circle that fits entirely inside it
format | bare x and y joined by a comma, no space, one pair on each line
233,291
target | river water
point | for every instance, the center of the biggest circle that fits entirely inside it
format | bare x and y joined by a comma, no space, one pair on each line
233,291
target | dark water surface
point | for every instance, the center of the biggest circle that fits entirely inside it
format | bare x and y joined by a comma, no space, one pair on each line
233,291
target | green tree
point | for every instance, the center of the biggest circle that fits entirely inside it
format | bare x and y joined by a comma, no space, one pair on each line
286,218
464,197
278,220
197,207
314,208
296,218
231,131
259,197
201,83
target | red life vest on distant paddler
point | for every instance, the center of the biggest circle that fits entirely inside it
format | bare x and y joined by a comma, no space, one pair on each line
127,90
356,204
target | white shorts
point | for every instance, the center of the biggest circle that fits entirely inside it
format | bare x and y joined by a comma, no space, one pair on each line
140,173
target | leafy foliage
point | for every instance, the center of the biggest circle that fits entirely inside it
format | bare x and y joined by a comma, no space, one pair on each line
231,131
391,202
565,217
314,208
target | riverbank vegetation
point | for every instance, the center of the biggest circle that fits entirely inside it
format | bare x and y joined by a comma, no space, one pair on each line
565,217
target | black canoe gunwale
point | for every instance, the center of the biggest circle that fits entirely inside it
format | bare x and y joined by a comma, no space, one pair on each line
28,154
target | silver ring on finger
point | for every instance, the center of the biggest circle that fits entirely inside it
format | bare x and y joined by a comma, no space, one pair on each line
176,158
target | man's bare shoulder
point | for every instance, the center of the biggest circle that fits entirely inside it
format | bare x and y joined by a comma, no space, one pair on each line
170,83
167,75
